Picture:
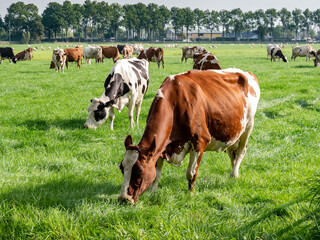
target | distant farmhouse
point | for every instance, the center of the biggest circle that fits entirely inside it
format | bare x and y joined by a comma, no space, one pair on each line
204,34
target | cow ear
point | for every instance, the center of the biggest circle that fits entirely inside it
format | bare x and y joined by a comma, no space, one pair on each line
128,141
152,147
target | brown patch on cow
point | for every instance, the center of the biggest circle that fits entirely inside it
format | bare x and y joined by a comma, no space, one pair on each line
52,65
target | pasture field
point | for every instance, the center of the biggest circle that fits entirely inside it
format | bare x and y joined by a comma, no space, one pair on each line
60,181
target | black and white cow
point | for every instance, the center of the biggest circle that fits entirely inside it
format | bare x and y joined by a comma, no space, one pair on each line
276,53
126,85
7,52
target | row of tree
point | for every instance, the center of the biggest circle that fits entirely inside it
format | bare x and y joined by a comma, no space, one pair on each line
101,21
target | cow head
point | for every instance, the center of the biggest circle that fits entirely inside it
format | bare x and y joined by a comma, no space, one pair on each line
316,61
285,59
97,114
138,170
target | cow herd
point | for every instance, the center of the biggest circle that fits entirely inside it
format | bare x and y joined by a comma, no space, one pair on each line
274,51
204,109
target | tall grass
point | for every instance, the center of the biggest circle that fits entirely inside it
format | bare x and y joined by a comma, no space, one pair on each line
60,181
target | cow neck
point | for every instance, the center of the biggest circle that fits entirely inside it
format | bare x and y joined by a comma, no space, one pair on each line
160,125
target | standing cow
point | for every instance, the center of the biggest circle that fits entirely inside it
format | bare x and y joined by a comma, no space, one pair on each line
58,60
276,53
188,52
73,55
303,51
24,55
7,52
126,85
192,113
110,52
269,47
153,54
92,52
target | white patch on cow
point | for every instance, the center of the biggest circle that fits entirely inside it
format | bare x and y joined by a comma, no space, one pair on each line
177,158
193,164
159,94
171,77
130,158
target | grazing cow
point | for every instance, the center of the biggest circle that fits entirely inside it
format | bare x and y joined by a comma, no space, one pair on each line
110,52
303,51
317,59
7,52
188,52
58,59
92,52
24,55
192,113
126,84
137,48
269,47
276,53
73,55
127,52
153,54
205,60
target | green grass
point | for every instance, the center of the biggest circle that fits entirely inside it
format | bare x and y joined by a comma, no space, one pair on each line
60,181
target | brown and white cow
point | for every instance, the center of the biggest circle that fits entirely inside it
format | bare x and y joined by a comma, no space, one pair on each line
24,55
192,113
73,55
110,52
58,59
188,52
137,48
317,59
205,60
127,52
303,51
153,54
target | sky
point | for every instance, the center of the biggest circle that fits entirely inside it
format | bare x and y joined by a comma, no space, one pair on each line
245,5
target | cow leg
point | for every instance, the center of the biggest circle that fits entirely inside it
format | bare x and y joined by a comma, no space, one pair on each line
130,110
192,170
158,62
154,185
162,64
111,117
67,64
236,153
138,109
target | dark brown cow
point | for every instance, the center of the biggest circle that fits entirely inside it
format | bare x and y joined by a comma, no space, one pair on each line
192,113
205,60
24,55
317,59
73,55
110,52
153,54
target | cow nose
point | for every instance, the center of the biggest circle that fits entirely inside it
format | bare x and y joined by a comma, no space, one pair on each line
85,125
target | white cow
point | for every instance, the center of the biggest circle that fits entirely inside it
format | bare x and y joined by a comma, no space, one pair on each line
136,48
303,51
188,52
92,52
126,85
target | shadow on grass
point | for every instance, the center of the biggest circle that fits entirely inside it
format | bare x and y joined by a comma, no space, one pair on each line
304,66
44,125
305,104
66,193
